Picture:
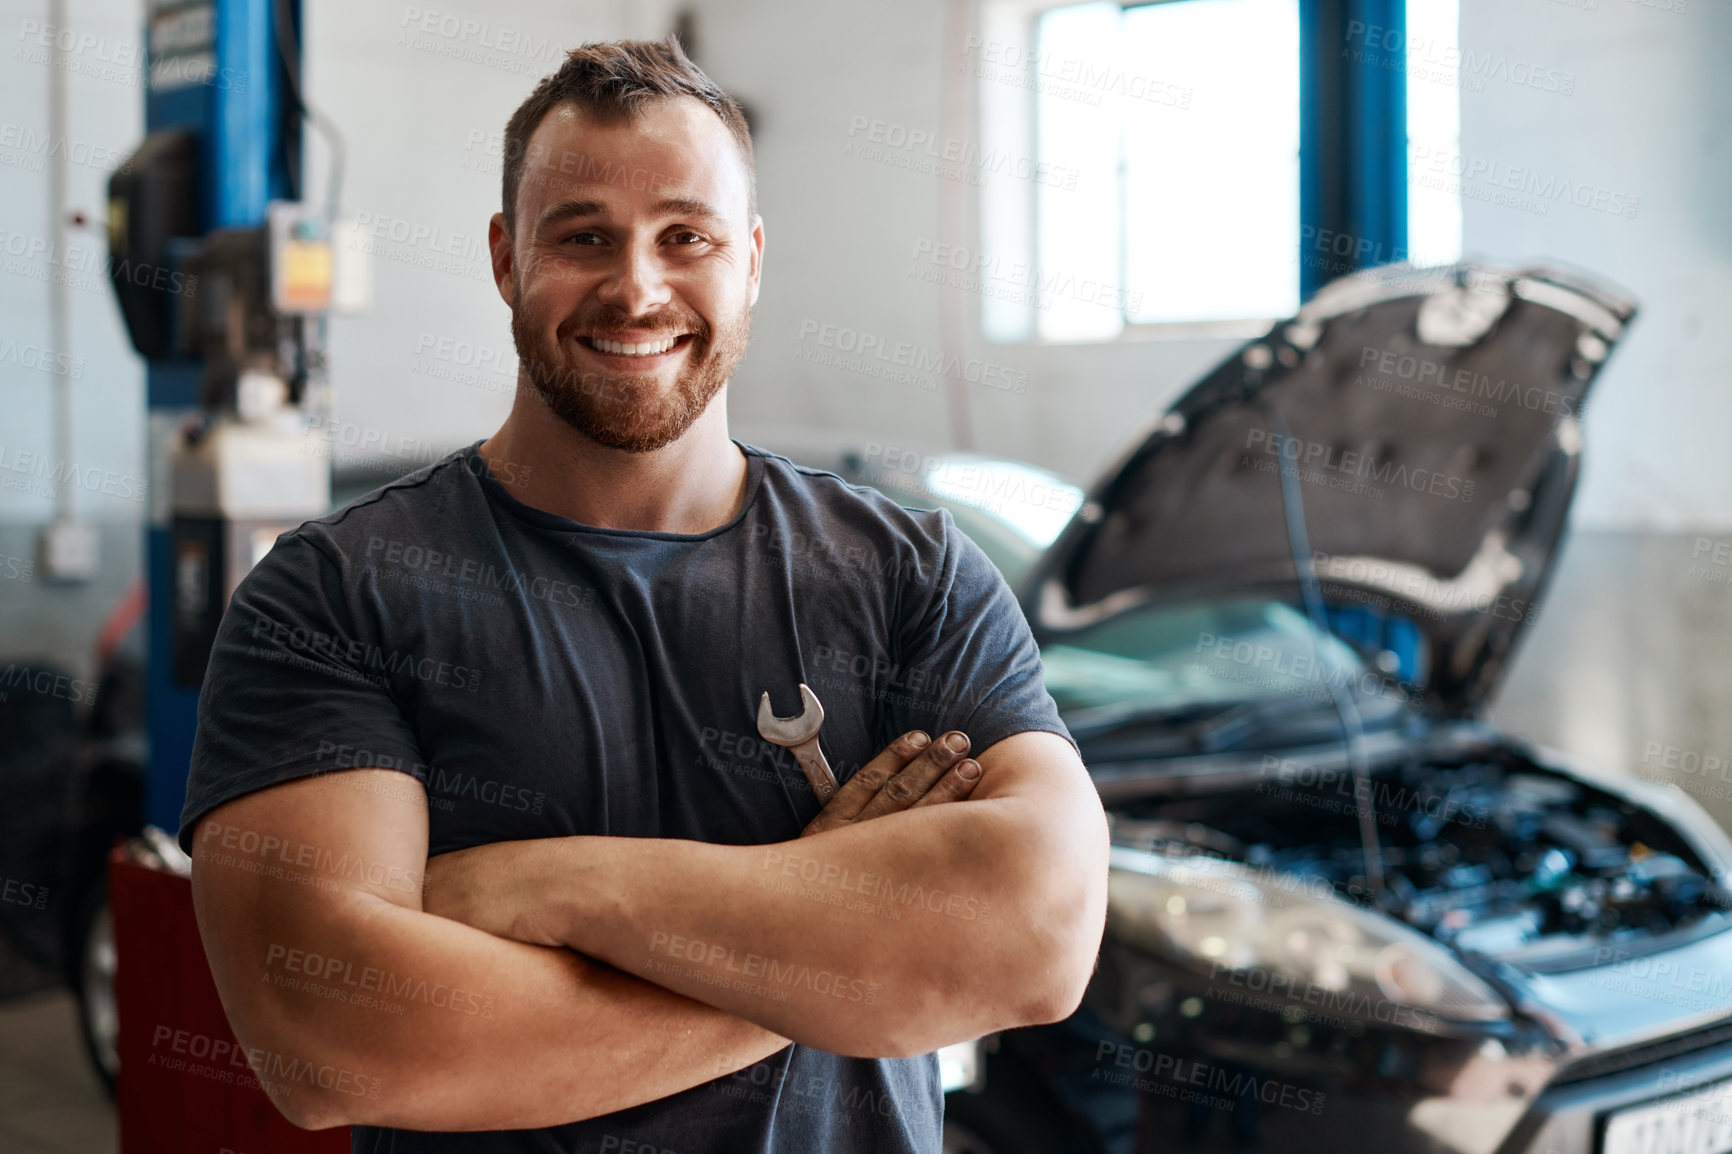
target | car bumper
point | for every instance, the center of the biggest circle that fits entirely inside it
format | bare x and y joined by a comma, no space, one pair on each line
1572,1117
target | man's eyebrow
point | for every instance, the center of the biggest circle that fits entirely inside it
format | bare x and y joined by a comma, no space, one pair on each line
570,208
671,206
686,206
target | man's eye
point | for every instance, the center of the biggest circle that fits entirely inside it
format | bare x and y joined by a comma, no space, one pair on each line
584,238
691,237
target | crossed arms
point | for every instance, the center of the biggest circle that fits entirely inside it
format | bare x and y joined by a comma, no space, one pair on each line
585,975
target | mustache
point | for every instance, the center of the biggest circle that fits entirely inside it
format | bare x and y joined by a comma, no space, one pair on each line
612,324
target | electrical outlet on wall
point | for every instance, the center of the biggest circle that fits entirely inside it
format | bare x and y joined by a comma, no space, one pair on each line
67,551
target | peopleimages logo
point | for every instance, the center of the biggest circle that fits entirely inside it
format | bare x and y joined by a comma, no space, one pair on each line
1514,186
1067,77
178,63
1234,1086
429,561
171,1047
1017,282
770,975
868,347
45,683
924,151
29,894
85,267
478,41
1424,371
1314,458
29,144
356,978
362,660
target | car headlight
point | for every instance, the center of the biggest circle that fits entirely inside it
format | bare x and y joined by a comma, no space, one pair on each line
1293,934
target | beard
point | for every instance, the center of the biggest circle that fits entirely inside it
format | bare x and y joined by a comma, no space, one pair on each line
628,411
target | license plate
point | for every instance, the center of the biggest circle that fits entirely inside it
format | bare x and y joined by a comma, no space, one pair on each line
1699,1122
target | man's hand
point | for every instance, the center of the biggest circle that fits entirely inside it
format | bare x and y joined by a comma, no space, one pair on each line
910,772
482,886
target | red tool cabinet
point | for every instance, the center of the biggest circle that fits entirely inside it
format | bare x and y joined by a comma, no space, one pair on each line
184,1085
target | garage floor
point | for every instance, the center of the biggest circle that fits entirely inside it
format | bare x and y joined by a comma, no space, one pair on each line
50,1102
1626,670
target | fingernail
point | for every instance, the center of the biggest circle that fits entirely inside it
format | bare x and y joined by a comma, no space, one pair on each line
918,740
956,742
968,770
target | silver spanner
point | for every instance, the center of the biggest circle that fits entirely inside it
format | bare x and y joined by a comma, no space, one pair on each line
800,734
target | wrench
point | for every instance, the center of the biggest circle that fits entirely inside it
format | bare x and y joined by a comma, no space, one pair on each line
800,734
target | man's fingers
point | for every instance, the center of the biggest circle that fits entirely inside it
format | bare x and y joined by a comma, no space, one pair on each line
953,786
920,775
869,779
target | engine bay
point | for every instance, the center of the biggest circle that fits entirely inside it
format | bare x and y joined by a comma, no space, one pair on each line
1490,856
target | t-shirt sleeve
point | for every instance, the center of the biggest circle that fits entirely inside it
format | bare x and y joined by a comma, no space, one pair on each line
972,660
288,693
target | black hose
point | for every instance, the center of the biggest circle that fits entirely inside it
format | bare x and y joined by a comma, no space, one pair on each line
289,49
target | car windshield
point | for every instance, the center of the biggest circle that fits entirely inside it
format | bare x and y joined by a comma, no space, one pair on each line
1158,659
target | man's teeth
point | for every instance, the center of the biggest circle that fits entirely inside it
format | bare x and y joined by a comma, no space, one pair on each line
642,349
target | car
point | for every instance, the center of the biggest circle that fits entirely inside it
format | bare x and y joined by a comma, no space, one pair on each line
72,756
1345,912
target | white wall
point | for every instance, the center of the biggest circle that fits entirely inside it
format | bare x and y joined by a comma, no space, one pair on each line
1647,118
105,117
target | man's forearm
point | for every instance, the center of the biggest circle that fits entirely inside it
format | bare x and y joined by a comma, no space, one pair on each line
544,1037
354,1006
891,937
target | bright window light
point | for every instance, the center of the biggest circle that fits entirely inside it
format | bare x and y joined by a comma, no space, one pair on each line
1078,131
1211,191
1167,136
1433,132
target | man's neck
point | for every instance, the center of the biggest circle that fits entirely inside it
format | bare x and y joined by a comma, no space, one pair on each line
691,486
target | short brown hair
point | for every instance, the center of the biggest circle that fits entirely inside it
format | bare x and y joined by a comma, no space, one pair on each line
614,81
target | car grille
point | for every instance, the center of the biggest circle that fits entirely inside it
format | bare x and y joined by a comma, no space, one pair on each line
1634,1057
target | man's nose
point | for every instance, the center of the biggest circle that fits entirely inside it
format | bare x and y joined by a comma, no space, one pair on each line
636,282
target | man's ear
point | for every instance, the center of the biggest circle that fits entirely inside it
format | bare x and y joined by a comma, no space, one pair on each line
499,248
757,257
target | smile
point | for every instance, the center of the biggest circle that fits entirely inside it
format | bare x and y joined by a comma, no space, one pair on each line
635,349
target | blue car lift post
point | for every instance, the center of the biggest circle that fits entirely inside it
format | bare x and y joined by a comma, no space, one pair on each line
217,84
1353,188
234,103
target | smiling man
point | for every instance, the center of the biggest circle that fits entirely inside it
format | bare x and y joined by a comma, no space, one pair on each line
484,836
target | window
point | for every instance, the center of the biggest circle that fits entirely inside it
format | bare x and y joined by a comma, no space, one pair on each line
1433,132
1168,139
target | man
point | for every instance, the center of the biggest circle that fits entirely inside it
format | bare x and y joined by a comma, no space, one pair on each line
539,661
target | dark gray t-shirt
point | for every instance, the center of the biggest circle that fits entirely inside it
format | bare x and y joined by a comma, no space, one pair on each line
544,678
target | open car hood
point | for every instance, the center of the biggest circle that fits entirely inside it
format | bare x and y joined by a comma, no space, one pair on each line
1434,420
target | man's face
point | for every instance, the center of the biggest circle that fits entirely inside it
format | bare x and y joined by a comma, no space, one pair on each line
633,269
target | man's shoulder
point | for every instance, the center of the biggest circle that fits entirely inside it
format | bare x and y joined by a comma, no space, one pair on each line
423,504
862,506
823,526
